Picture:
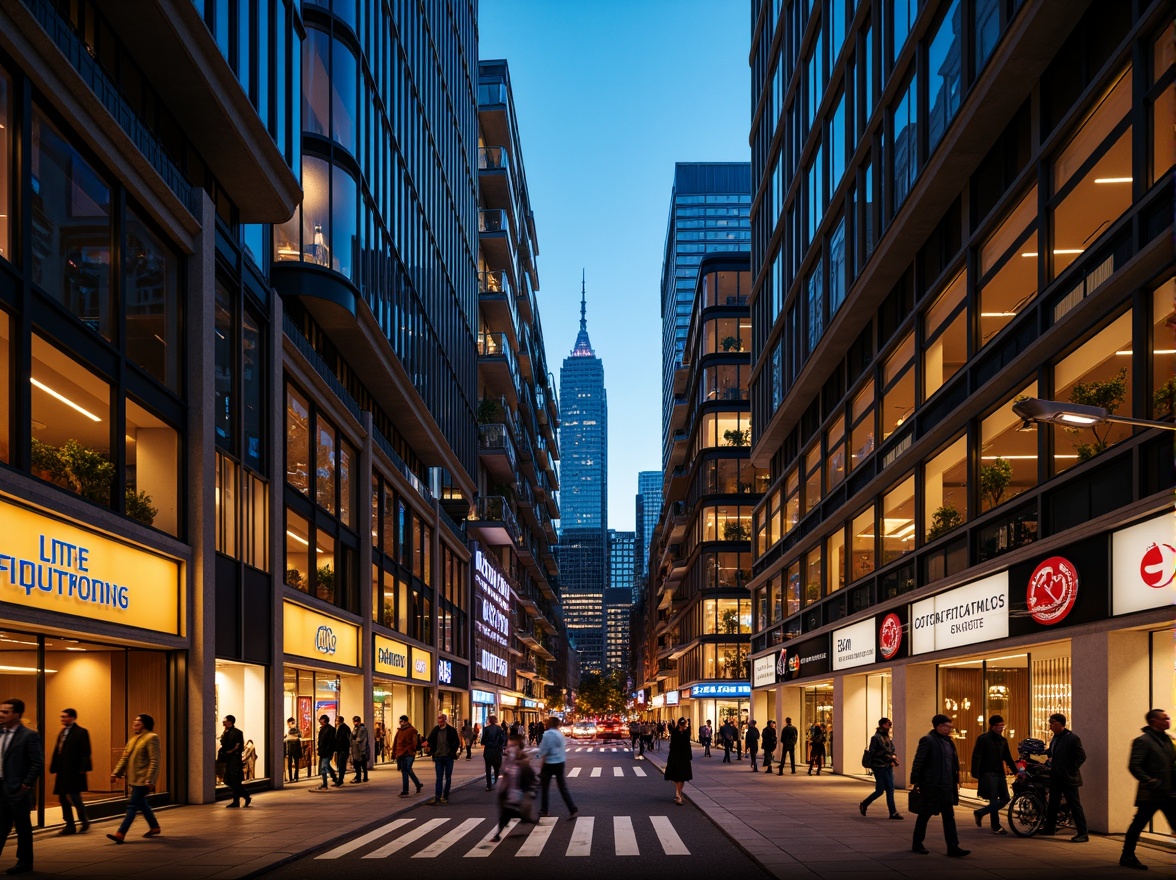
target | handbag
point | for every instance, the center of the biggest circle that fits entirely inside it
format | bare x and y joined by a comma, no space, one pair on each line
914,801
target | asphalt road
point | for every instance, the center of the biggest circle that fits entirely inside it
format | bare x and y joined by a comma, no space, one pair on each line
627,821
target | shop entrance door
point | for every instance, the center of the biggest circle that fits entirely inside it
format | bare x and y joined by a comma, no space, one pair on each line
818,710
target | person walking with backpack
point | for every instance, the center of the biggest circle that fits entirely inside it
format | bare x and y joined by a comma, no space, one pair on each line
705,734
493,745
990,757
405,745
935,778
769,740
788,737
881,760
752,740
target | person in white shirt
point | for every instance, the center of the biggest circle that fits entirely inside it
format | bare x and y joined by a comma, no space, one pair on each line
553,755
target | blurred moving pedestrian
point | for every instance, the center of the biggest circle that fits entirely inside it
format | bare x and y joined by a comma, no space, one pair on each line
816,748
1153,755
467,738
769,741
882,764
990,757
494,743
361,749
21,761
70,762
405,745
788,737
293,748
1066,756
325,747
935,776
553,755
705,734
231,754
140,765
516,790
443,744
678,761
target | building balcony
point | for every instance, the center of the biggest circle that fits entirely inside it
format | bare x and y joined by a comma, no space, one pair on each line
525,298
493,522
679,520
497,453
525,354
666,669
681,379
494,177
679,448
496,305
678,482
497,367
547,555
679,412
496,239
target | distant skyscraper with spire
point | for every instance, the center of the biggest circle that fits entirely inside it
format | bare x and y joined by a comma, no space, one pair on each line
583,534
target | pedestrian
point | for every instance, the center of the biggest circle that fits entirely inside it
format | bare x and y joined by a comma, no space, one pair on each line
788,738
752,740
140,765
231,754
661,733
882,764
727,735
361,749
293,749
705,735
493,746
70,762
378,742
467,738
553,758
816,748
678,761
405,745
325,747
342,748
646,737
769,740
1066,756
935,776
1152,757
444,745
21,761
990,757
634,734
516,790
739,729
249,759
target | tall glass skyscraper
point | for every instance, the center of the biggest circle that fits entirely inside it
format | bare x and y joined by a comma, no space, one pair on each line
709,208
583,544
649,501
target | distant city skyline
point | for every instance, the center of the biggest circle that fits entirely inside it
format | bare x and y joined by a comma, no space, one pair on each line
602,137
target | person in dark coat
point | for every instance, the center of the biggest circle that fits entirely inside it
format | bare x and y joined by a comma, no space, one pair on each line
883,760
1066,756
23,761
816,748
935,774
443,744
326,748
232,749
516,790
788,737
678,766
342,748
70,762
493,746
990,757
769,741
727,734
751,739
293,747
1152,757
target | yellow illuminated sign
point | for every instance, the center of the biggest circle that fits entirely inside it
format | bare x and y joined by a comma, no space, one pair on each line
422,664
391,658
50,565
317,636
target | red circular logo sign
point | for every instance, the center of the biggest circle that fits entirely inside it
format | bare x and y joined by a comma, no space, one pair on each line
889,636
1157,567
1052,591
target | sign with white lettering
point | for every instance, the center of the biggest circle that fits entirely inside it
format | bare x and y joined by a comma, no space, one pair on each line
422,664
734,689
316,636
855,645
483,697
1143,560
444,672
671,698
391,657
493,598
975,612
50,565
763,670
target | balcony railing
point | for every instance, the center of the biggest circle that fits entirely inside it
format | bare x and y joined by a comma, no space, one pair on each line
493,158
497,345
494,508
497,437
494,283
492,220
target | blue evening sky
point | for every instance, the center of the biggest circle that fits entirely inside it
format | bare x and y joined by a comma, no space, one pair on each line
609,95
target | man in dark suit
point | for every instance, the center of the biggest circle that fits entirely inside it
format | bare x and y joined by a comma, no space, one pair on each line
21,761
1066,755
342,747
70,763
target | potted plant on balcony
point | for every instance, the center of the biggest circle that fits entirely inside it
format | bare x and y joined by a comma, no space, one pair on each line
74,466
943,521
490,412
731,343
735,530
1108,394
736,437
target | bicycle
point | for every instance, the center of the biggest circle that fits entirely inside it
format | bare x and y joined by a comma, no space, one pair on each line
1027,809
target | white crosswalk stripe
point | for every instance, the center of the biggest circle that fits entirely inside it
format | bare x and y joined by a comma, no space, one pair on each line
574,772
439,846
618,771
596,772
486,845
364,840
637,771
626,839
401,842
668,837
581,842
537,839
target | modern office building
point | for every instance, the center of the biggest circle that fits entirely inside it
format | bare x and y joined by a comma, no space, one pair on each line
649,502
621,546
698,612
709,206
583,531
618,605
516,607
958,205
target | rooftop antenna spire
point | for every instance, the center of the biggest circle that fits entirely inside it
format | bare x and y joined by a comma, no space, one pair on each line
583,303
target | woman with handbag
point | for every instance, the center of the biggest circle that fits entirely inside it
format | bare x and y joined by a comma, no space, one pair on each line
935,786
516,786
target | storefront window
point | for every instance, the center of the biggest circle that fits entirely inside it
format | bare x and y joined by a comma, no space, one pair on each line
1008,455
70,424
1163,394
153,463
1014,284
297,441
945,490
864,534
898,521
818,711
861,436
835,453
898,378
71,208
1098,373
945,334
240,692
151,295
972,691
835,556
5,166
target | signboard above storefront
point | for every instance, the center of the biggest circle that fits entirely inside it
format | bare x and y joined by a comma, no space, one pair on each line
1143,560
317,636
802,659
422,664
483,697
1062,587
763,670
975,612
391,658
720,689
51,565
671,698
855,645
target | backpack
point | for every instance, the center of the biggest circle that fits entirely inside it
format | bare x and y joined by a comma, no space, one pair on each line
867,759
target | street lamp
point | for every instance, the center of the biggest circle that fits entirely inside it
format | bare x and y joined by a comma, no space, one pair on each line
1075,415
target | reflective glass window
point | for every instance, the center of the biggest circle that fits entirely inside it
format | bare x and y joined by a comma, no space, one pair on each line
898,520
253,384
945,76
344,80
812,477
297,441
904,126
985,31
814,587
6,166
945,335
344,213
835,453
153,466
792,589
326,465
326,585
835,560
316,82
151,297
838,282
1008,454
225,336
861,437
945,490
863,534
898,398
316,215
1163,394
1007,291
5,388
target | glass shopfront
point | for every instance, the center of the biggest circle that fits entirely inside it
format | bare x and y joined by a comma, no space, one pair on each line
241,692
394,693
817,709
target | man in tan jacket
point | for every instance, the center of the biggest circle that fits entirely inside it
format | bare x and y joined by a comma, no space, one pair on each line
140,765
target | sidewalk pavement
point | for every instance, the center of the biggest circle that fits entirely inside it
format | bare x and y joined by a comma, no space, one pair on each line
208,841
803,827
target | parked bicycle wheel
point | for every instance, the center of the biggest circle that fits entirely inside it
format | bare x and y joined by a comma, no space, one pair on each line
1026,814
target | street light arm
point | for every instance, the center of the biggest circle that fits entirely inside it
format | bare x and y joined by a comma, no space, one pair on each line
1076,415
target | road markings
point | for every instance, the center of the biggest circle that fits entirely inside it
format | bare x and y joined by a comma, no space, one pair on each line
403,841
626,839
581,842
637,771
574,772
618,771
353,845
537,839
439,846
595,772
668,837
486,845
589,748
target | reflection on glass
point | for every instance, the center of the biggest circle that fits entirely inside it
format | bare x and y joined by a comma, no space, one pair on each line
945,69
945,490
153,461
151,302
898,521
1008,455
225,379
343,222
298,551
861,437
297,441
325,465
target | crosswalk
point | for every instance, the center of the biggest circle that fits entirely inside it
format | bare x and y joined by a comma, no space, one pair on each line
438,837
598,772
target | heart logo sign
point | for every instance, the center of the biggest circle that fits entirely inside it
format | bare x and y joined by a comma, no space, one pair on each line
1052,591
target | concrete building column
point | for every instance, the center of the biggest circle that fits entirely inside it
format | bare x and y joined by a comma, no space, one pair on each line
277,540
914,698
365,527
849,721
